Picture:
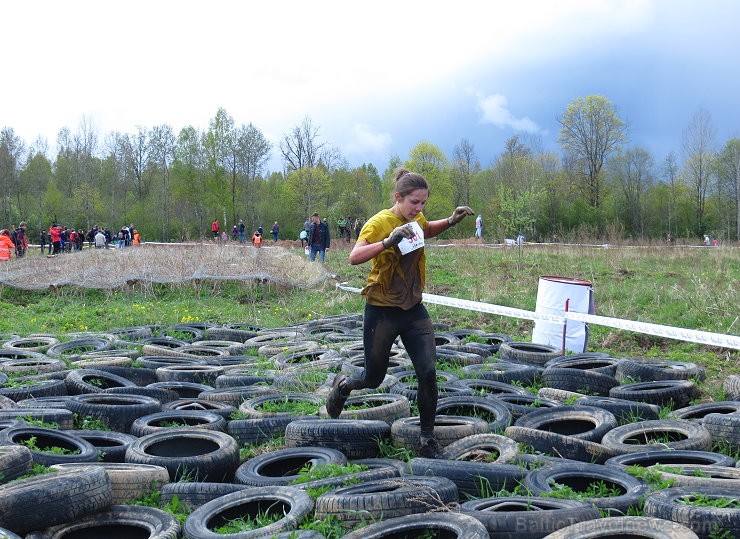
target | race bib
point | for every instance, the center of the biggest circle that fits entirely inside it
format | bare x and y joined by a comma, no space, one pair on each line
413,243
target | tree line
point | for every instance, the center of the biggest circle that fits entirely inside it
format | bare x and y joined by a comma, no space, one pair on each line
173,185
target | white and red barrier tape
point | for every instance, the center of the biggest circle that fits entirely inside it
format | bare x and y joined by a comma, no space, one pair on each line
659,330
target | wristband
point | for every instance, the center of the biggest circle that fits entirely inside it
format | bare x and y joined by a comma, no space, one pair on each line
449,221
382,242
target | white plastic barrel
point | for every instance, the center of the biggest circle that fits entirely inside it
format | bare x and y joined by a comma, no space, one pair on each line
555,295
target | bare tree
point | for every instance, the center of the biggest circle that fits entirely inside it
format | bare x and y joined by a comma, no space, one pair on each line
162,141
729,179
464,165
698,139
11,151
670,172
632,171
590,130
252,154
300,148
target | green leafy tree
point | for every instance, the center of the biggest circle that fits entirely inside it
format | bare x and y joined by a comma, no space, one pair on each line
698,140
431,162
728,176
590,131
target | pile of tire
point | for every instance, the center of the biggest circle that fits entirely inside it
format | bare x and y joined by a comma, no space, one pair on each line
171,407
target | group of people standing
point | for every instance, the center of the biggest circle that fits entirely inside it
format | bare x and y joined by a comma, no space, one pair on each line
240,231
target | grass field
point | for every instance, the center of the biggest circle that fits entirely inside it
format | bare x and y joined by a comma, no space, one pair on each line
688,287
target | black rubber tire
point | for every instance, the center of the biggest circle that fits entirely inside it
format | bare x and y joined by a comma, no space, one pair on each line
184,390
667,504
78,346
490,388
580,475
561,446
7,534
699,411
236,334
584,422
151,423
282,466
671,457
490,447
356,438
79,449
207,455
293,503
93,381
195,374
260,431
32,366
153,362
141,376
128,481
731,386
442,524
118,411
519,405
59,417
374,472
64,496
654,369
40,343
686,435
157,393
15,461
35,388
724,428
409,388
581,381
237,379
223,409
385,499
250,409
377,406
447,428
701,476
527,517
193,494
454,355
59,402
118,521
527,352
305,358
623,410
625,528
110,445
236,395
473,479
493,412
671,393
595,361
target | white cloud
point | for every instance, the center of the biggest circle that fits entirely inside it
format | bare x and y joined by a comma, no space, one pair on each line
494,110
363,140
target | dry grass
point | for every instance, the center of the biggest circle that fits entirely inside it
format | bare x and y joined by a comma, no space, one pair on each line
116,268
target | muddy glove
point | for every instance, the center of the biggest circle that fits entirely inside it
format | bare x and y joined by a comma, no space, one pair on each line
397,235
459,214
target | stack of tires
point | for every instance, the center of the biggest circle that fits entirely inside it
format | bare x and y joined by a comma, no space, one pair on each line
116,416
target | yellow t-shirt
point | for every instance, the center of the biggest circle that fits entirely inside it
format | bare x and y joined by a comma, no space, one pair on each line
395,280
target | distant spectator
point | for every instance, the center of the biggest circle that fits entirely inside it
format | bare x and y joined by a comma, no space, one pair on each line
671,240
224,237
215,229
275,231
318,238
55,233
137,238
242,232
21,240
257,239
6,245
100,241
479,226
43,241
234,232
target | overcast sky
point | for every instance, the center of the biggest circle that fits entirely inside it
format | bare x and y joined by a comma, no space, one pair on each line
375,77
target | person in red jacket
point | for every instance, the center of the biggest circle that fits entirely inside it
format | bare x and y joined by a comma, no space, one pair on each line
214,229
6,245
55,232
